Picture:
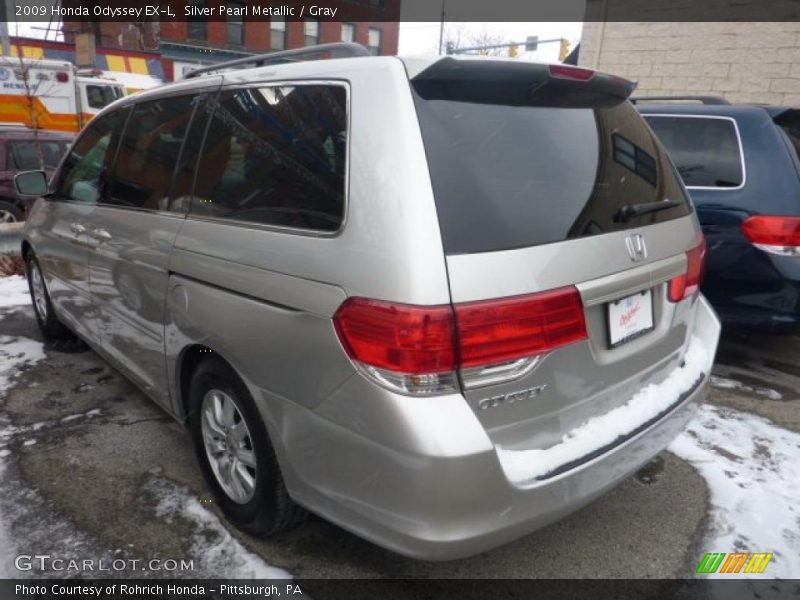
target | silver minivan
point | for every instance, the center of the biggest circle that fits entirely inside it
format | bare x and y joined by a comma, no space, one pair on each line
440,302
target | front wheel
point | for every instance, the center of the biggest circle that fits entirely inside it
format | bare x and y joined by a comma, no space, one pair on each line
235,454
49,324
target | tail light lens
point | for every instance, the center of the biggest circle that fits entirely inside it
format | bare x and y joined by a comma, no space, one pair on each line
777,235
499,331
687,285
416,350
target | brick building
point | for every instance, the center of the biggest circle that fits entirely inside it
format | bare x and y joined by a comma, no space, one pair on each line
744,62
186,44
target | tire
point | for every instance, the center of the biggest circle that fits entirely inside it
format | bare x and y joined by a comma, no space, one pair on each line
9,213
266,509
50,326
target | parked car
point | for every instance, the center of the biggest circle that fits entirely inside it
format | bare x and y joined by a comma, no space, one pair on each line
23,149
740,164
441,302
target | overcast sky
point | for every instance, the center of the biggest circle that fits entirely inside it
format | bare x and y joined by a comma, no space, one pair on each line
423,38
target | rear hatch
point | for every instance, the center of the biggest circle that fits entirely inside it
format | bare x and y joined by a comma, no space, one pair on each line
572,250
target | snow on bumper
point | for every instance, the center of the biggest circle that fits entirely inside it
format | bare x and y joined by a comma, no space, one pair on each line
603,432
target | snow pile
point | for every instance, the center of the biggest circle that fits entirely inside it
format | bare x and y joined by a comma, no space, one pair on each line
14,291
752,468
723,383
215,551
523,466
14,353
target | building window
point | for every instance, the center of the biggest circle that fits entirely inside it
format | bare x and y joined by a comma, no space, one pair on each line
311,29
235,24
374,40
197,26
277,33
348,32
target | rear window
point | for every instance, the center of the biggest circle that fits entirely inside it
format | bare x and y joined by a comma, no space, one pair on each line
705,150
30,156
508,175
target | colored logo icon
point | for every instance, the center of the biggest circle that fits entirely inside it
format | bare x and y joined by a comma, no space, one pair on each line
738,562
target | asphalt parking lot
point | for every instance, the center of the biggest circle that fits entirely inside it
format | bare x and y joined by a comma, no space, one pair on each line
91,468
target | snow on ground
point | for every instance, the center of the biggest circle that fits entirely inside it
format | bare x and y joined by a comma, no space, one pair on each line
723,383
752,468
215,551
14,291
522,466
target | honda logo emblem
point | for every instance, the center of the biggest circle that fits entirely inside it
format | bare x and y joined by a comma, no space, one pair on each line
637,249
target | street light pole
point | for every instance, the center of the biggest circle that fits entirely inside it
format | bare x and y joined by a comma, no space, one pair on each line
441,30
4,38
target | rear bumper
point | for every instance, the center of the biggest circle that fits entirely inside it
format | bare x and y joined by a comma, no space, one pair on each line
444,491
759,292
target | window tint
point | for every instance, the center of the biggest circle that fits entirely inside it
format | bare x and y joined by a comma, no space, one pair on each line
509,175
181,195
789,122
29,155
705,151
149,152
275,155
84,175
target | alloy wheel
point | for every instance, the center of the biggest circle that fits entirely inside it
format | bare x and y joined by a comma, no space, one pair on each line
229,446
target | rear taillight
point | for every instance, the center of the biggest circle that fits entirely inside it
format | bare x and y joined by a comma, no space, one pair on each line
688,284
416,350
498,331
777,235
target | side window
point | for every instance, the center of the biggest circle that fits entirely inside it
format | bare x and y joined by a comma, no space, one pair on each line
706,151
84,176
276,156
149,152
100,96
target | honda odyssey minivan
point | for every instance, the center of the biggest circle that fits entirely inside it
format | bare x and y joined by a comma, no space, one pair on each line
440,302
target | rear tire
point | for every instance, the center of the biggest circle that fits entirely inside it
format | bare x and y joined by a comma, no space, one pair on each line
50,326
235,453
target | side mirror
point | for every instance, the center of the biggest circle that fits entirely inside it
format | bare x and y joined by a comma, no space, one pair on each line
31,183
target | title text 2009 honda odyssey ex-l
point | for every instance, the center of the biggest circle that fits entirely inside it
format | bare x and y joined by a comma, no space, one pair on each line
440,302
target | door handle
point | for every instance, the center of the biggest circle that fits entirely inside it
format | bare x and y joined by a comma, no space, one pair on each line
77,228
101,234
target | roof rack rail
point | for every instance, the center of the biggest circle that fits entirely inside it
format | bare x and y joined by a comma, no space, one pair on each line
710,100
336,50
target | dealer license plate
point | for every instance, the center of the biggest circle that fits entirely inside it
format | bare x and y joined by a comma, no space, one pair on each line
631,317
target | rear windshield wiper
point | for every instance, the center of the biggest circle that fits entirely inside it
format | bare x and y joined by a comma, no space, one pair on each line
628,212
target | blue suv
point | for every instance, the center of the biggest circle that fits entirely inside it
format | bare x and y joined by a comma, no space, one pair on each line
740,165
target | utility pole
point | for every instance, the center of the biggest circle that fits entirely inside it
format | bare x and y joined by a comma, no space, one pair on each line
441,30
5,40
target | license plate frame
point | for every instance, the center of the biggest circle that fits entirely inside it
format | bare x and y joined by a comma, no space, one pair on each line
630,318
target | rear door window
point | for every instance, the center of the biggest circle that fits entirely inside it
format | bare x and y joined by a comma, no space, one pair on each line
706,150
507,175
275,156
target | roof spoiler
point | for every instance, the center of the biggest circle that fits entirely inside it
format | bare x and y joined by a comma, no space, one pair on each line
523,84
